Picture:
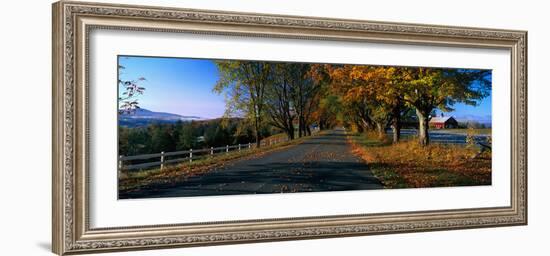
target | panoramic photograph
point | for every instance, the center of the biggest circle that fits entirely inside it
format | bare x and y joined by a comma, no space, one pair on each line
212,127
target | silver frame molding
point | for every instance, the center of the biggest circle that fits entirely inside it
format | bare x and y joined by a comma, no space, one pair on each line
72,22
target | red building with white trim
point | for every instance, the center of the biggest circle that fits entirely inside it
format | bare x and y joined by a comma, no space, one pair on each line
444,122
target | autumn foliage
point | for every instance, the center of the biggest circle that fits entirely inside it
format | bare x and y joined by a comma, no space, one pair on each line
409,165
375,97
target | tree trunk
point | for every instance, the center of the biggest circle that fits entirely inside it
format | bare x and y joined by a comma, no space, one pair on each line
257,138
360,127
365,126
290,135
380,127
301,132
257,131
396,128
290,131
423,125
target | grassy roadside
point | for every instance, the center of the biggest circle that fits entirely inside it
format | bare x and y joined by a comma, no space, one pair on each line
136,180
408,165
477,131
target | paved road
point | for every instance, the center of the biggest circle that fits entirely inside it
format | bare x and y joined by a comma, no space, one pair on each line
320,163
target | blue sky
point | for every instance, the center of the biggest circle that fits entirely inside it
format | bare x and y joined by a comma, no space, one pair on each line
480,112
184,86
174,85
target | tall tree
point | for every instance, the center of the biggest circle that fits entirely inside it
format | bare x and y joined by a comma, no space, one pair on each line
245,83
304,91
329,111
329,108
428,88
353,96
186,139
161,138
279,99
363,90
389,92
374,93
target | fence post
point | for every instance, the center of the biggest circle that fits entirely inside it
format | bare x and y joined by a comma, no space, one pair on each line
211,150
190,155
239,146
226,148
249,145
120,162
161,160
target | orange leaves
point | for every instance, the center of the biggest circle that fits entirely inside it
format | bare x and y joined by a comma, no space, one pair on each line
407,164
376,86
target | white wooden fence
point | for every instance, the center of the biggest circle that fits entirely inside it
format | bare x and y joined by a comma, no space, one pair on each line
187,155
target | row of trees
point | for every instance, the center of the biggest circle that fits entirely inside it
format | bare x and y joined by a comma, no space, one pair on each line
366,97
378,96
293,96
177,136
270,94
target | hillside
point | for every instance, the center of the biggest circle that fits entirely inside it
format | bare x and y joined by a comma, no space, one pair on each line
144,117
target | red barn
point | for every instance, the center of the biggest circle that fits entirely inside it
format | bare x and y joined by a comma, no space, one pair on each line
446,122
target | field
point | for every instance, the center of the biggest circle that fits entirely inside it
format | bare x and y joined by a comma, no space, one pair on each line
477,131
409,165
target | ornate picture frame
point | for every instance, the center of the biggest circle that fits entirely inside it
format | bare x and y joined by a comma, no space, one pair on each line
72,23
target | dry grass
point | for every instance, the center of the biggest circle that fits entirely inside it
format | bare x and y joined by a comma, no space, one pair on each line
477,131
408,165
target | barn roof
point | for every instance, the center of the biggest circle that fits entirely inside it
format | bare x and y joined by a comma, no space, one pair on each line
440,119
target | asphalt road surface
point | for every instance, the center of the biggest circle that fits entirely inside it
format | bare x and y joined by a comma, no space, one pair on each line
320,163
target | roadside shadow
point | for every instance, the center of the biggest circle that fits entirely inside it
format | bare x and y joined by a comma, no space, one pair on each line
317,175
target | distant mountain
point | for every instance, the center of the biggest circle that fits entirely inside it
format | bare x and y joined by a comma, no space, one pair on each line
143,117
486,119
